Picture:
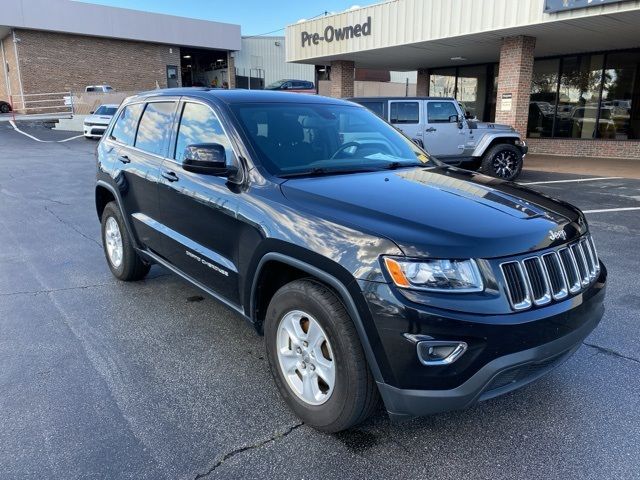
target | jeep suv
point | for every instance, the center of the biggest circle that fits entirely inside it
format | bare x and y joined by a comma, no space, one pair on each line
373,270
440,126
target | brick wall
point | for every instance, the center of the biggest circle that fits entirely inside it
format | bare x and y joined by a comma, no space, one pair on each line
516,70
585,148
422,83
14,81
57,62
231,70
342,78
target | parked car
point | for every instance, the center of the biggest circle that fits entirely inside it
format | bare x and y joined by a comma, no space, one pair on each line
583,120
96,123
98,88
5,107
439,125
372,269
296,86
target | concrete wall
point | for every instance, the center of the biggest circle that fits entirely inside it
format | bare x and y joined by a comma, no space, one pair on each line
371,89
57,62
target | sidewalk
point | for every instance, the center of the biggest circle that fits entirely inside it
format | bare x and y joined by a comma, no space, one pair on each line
599,167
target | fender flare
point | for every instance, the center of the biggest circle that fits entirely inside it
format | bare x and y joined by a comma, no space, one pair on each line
488,139
125,218
342,292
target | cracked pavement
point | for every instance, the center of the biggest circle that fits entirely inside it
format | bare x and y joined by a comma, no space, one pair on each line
155,380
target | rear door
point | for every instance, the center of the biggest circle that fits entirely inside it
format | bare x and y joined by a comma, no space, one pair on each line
442,135
407,116
141,164
198,211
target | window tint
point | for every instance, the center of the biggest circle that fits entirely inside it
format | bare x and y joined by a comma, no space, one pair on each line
200,125
439,112
154,129
124,130
90,89
405,112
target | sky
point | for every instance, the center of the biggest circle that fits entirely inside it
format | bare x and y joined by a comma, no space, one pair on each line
254,16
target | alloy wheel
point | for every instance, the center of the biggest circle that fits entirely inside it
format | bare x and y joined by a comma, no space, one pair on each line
504,164
113,242
305,357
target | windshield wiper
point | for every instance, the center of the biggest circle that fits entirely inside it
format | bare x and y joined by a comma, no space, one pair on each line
396,165
320,171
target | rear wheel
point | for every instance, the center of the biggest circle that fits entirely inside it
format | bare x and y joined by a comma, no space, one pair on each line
122,258
502,161
316,357
5,107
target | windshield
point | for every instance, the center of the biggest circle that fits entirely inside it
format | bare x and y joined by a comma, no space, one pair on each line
104,110
293,139
275,85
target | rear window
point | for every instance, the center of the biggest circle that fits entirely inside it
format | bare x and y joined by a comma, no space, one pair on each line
124,131
155,127
405,112
440,112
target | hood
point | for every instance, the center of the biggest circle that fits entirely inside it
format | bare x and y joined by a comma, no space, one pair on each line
441,212
99,119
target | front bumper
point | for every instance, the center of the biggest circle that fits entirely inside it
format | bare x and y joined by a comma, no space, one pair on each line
95,131
505,355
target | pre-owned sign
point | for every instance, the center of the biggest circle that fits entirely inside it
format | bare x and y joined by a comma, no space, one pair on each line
332,33
552,6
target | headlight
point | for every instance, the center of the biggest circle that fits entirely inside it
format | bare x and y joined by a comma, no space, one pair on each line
456,276
520,143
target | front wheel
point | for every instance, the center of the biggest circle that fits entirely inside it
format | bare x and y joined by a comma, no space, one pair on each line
122,258
316,357
502,161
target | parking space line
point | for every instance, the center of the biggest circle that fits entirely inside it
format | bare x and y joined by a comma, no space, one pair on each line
15,127
592,179
625,209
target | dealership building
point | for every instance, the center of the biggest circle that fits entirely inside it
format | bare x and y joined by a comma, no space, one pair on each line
565,73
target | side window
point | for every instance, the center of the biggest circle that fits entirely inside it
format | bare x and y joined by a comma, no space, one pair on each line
405,112
440,112
90,89
124,130
200,125
375,107
155,127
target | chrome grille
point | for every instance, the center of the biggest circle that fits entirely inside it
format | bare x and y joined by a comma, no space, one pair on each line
539,279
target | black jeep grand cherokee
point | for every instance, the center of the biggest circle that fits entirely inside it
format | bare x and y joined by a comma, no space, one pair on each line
372,269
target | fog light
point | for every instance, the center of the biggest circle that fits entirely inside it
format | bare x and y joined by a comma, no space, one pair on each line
436,352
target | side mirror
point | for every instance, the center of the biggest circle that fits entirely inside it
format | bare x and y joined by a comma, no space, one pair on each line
208,159
91,112
453,119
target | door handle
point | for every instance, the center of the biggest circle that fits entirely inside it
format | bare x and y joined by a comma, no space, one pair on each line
431,129
124,159
170,175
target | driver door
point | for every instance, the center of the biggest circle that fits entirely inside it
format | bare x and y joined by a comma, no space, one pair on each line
198,211
442,137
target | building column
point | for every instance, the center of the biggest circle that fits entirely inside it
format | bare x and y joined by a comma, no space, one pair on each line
231,69
514,82
342,75
422,83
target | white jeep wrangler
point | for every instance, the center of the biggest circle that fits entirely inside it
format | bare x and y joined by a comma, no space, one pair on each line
439,125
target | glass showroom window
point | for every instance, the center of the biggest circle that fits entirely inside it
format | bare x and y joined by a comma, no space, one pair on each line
544,98
621,95
442,82
472,90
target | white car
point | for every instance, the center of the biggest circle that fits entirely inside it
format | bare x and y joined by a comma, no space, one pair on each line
96,123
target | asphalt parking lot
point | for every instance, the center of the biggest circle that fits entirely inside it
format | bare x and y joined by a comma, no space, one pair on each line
154,380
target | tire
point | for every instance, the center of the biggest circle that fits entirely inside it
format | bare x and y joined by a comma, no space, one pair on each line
128,265
5,107
353,395
502,161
